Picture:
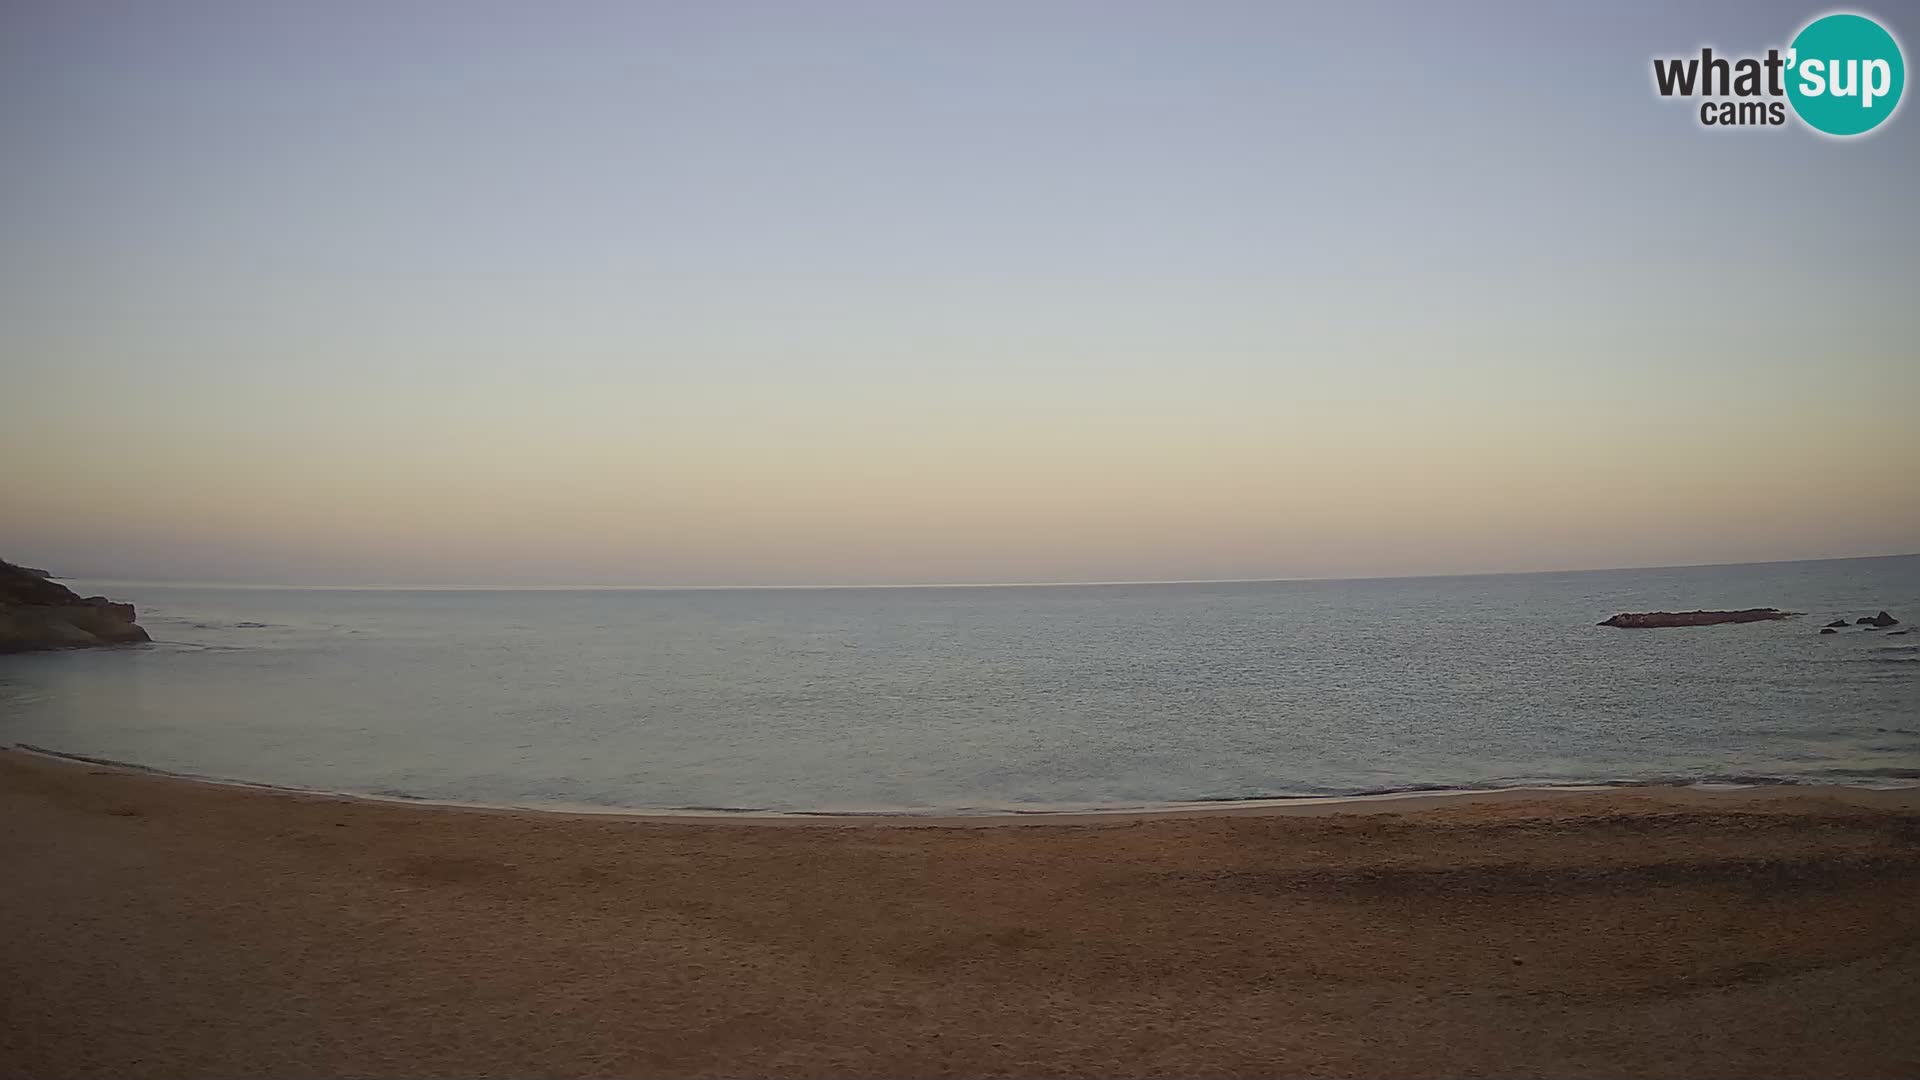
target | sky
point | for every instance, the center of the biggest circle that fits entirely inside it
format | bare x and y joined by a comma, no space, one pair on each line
469,292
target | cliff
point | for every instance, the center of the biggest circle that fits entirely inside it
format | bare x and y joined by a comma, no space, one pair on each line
36,613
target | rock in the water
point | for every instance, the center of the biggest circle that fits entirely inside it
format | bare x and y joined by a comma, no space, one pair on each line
1653,619
1842,623
1882,619
36,613
1828,630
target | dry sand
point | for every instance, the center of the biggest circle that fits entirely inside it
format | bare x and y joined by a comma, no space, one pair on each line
155,926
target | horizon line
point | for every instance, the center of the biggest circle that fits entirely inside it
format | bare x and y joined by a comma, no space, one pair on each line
821,587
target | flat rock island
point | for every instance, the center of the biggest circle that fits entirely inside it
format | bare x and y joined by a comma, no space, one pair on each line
1648,620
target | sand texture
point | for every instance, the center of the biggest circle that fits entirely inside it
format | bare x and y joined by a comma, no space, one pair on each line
155,927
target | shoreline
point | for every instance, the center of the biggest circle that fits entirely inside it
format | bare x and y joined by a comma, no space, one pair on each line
1900,796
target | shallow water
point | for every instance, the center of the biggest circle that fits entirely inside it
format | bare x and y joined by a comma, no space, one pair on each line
1003,698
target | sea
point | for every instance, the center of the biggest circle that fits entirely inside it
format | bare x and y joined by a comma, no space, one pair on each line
996,699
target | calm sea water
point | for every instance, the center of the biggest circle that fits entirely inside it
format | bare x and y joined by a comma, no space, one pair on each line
1006,698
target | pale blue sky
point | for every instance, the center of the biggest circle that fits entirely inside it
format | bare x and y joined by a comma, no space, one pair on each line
787,292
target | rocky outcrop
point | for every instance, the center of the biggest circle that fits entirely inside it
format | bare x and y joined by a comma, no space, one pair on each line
1883,619
1839,624
36,613
1648,620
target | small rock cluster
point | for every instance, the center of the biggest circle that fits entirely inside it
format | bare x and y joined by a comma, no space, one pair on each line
1870,622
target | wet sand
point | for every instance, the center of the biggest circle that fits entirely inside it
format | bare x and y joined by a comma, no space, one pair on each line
155,926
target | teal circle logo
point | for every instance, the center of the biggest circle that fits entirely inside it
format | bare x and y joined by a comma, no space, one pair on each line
1845,74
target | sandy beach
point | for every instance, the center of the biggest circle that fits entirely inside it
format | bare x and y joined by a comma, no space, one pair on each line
157,926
